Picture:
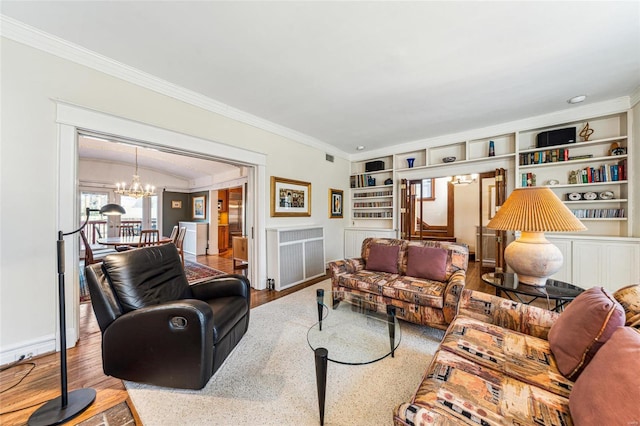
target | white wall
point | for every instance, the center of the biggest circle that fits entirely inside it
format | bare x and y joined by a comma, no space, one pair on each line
31,80
466,214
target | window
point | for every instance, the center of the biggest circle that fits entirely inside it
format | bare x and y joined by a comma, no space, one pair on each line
92,200
142,213
425,191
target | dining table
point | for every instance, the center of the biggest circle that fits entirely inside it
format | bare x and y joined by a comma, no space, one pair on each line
133,241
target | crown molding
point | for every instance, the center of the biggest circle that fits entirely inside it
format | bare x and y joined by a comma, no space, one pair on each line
25,34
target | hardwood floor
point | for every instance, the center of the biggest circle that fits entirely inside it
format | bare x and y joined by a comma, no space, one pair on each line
41,382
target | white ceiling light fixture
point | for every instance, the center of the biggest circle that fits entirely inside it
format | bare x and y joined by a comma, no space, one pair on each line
360,147
135,190
577,99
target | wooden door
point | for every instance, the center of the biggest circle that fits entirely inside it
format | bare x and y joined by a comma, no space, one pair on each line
501,196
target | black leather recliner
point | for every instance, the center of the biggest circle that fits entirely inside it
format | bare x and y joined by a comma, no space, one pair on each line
158,329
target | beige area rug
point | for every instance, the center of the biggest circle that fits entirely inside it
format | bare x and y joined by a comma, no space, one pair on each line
269,378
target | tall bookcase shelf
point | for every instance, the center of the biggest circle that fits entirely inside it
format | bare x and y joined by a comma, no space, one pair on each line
591,177
371,199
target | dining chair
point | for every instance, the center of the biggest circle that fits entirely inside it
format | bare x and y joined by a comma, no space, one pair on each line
149,237
174,234
180,243
127,230
91,257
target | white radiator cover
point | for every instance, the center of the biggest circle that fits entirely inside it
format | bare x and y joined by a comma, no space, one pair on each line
295,255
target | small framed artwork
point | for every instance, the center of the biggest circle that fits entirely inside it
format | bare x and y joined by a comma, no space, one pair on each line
290,198
176,204
199,207
335,203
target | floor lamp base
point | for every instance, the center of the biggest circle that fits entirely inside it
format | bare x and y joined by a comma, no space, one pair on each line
52,413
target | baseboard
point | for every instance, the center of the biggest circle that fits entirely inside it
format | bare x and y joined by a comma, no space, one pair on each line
35,347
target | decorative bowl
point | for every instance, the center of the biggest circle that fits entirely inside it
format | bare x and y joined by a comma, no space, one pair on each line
448,159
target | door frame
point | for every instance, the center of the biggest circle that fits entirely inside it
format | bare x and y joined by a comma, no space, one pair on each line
72,118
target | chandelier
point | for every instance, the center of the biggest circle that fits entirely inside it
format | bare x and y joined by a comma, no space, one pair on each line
135,190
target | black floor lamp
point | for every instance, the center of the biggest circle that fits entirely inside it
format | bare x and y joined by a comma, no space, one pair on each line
68,404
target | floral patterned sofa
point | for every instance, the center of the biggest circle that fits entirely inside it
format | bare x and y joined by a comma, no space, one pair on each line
422,279
504,363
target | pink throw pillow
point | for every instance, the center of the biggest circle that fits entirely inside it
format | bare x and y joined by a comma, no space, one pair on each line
586,324
606,393
427,262
383,258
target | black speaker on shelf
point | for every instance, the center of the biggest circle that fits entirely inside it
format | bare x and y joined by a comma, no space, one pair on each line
556,137
374,166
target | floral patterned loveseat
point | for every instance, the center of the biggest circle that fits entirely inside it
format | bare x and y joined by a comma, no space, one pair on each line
422,279
505,363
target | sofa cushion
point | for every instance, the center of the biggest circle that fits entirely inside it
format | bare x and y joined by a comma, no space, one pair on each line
419,291
514,354
474,394
365,280
427,262
606,393
383,258
584,326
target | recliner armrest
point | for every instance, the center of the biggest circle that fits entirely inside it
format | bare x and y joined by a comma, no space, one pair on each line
222,286
168,345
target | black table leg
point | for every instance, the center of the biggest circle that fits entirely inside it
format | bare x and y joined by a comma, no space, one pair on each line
391,315
321,355
320,300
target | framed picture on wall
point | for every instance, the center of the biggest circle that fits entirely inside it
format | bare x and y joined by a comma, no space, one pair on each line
176,204
200,207
290,197
335,203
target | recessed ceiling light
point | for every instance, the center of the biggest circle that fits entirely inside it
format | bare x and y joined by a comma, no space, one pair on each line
577,99
360,147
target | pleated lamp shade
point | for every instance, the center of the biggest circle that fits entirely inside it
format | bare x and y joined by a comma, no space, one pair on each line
534,211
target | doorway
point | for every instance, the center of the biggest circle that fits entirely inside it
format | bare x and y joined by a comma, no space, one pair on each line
72,119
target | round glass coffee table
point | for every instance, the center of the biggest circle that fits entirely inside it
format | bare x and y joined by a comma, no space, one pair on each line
560,292
351,334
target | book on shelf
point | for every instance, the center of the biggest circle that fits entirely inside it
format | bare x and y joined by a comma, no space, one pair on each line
545,156
604,173
622,169
581,157
528,179
598,213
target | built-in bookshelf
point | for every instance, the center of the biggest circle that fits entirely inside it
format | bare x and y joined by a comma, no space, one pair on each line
591,176
372,191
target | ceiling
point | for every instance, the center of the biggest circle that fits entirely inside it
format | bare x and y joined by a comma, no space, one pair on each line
365,73
182,166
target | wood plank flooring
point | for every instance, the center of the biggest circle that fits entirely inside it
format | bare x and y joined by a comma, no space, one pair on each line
17,403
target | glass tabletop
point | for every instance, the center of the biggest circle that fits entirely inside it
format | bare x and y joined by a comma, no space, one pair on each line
351,333
553,289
